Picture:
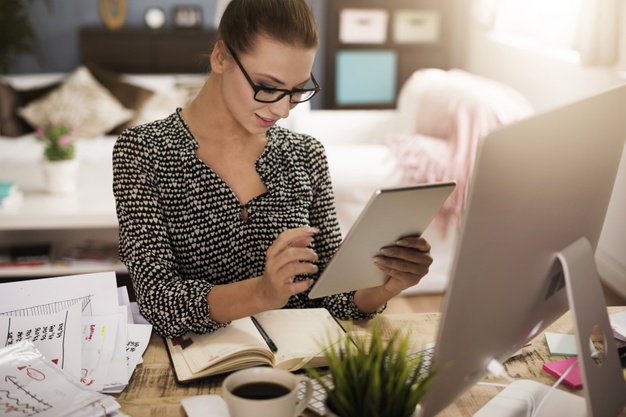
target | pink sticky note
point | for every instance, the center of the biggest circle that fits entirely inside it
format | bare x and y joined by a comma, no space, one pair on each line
557,369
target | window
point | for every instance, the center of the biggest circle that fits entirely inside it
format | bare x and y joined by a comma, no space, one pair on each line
545,24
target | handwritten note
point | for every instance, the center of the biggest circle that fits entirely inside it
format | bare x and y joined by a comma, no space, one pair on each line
55,335
138,339
99,334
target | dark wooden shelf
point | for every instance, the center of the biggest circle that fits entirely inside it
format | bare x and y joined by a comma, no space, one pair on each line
141,50
410,56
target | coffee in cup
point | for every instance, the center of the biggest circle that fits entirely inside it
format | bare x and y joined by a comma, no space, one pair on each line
265,392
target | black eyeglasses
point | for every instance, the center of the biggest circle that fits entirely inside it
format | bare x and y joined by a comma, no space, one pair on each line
272,95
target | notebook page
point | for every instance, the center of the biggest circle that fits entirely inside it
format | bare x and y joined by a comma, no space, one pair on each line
205,350
300,333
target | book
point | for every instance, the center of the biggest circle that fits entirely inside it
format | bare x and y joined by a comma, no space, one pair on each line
10,194
300,336
36,254
92,251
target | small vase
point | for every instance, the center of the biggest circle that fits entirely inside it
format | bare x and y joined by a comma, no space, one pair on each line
61,177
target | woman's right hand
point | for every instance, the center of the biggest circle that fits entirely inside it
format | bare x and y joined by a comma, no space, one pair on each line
288,256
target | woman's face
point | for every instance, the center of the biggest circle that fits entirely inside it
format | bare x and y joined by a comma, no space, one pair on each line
270,64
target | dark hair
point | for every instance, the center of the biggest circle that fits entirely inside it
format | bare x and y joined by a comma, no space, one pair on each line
287,21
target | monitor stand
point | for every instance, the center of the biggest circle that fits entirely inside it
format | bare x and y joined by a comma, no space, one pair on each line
603,384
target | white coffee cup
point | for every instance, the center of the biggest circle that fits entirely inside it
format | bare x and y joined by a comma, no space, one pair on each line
265,392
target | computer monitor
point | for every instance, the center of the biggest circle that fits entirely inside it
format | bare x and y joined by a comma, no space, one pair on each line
539,185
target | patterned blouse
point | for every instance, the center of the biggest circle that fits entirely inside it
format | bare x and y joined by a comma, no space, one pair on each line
182,229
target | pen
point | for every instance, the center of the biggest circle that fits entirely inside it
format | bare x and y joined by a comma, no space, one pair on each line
266,337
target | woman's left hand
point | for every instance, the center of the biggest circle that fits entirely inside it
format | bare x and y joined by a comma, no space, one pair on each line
405,264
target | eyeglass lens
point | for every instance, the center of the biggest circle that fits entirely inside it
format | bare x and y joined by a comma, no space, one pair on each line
296,97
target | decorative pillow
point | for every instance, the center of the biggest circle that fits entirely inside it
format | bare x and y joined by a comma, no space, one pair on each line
11,99
159,106
131,96
81,102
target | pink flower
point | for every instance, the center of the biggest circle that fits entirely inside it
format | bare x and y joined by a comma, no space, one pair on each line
39,132
65,140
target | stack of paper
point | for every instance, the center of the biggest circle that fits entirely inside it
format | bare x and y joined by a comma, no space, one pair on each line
82,323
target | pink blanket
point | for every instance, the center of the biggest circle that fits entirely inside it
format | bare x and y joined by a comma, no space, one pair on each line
453,109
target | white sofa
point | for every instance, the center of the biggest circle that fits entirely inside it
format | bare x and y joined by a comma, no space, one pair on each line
366,149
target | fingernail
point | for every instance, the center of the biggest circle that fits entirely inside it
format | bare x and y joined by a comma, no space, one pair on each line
384,251
402,242
312,229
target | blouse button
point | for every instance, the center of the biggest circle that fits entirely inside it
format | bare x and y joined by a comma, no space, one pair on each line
244,214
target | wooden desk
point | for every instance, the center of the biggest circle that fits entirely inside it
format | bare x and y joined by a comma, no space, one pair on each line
153,391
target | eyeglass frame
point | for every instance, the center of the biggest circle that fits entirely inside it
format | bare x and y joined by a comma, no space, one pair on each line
316,88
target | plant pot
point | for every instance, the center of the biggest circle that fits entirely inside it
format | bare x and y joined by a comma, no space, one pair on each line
61,177
330,413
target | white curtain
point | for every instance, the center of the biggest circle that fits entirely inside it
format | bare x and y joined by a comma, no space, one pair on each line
484,12
598,32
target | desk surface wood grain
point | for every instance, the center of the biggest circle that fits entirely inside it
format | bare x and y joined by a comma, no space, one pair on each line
154,392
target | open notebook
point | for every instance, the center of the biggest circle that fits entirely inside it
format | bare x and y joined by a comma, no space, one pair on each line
300,336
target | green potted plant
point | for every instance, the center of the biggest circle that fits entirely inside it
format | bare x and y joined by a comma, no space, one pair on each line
372,377
17,36
58,142
59,163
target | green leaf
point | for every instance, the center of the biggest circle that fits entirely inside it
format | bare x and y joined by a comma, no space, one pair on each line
374,377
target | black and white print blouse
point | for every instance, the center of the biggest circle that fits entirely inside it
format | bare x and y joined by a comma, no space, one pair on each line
181,226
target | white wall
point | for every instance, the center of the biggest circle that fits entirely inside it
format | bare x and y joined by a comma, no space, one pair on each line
548,82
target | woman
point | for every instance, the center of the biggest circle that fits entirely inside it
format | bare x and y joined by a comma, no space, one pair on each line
222,213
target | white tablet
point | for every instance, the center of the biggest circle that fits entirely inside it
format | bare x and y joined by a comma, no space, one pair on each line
389,215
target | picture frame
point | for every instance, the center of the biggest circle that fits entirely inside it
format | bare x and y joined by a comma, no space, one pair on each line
187,17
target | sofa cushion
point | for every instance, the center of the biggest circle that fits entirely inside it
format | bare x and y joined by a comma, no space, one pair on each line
131,96
11,99
454,109
150,96
159,106
81,102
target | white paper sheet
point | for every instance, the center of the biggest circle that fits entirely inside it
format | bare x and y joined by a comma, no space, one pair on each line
32,385
97,292
138,339
618,324
99,338
56,336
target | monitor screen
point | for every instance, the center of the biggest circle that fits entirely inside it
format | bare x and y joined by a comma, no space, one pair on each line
538,185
